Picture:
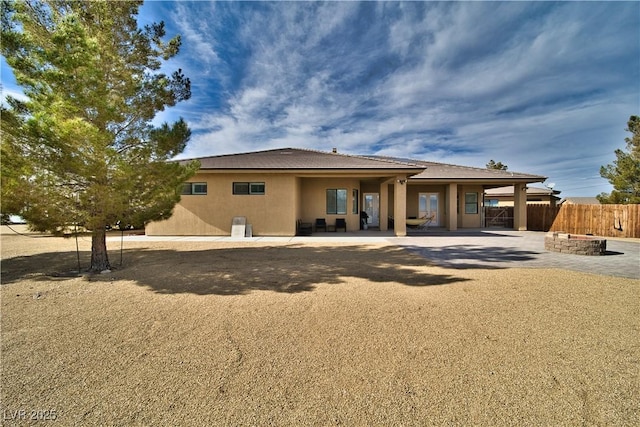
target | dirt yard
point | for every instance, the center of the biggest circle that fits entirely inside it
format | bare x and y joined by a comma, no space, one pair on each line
313,334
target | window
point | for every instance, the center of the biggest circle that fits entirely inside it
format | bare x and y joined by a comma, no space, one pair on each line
471,203
248,188
336,201
256,188
491,202
194,188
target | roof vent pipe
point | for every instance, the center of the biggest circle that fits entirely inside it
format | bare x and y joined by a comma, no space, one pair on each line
335,150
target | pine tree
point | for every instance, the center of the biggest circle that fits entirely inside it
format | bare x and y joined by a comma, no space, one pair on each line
624,173
93,86
497,166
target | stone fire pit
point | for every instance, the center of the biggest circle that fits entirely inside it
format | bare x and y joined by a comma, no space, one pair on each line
576,244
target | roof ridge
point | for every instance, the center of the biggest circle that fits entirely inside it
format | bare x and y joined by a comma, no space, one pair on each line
496,171
237,154
361,156
390,160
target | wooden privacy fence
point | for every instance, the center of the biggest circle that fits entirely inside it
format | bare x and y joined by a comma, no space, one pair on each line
541,217
599,220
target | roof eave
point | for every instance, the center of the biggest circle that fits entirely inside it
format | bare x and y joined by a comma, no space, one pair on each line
314,170
491,181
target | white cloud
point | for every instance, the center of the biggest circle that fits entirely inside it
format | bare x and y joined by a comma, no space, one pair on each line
194,28
453,82
14,92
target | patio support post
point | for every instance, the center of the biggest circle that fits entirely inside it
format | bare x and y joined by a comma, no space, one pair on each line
400,206
384,206
520,207
452,207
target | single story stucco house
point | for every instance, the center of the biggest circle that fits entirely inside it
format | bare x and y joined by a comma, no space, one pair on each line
276,189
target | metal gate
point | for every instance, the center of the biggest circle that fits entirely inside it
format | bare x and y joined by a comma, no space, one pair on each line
498,217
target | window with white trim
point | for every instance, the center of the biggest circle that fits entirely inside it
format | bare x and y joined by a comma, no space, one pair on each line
471,203
194,188
249,188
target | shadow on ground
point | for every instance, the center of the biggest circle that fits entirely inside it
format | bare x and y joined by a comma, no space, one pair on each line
237,271
442,232
607,253
468,256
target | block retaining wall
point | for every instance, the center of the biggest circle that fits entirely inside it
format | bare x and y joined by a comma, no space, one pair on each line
572,244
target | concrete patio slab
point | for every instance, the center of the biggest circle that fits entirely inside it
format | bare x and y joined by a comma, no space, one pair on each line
504,249
486,248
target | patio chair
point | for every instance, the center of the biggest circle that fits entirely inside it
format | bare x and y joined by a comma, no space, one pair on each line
321,223
341,223
303,228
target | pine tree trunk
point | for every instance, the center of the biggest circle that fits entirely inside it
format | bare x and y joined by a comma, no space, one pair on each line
99,256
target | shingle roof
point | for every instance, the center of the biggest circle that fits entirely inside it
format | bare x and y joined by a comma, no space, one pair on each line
443,171
300,159
304,159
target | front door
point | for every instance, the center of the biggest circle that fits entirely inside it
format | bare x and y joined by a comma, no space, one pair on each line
428,206
372,208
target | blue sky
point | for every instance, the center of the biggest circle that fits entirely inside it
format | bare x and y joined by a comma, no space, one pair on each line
544,87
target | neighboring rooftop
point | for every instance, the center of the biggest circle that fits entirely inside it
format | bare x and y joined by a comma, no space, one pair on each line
580,201
531,191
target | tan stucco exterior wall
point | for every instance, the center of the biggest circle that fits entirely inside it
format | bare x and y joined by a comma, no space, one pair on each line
400,205
520,207
289,197
451,215
314,200
384,206
212,214
466,220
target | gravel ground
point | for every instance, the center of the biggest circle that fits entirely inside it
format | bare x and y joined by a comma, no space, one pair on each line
309,334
